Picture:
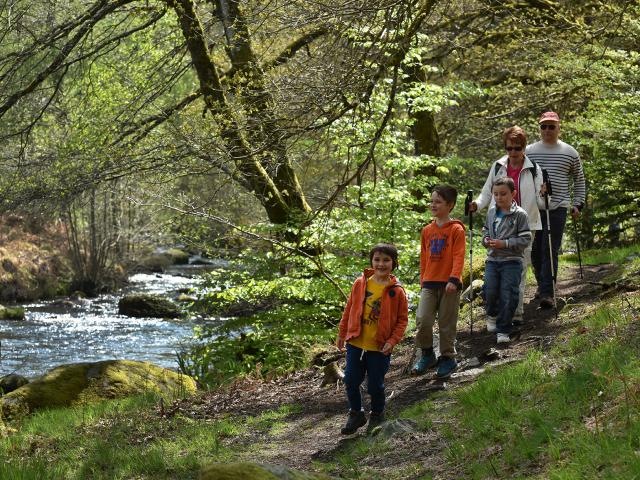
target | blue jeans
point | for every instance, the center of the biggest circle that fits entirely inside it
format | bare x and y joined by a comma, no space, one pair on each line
375,365
501,292
540,251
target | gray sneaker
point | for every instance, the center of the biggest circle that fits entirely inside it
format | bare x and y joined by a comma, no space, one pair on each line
503,338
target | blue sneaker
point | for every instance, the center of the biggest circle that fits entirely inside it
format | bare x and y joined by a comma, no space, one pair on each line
446,366
424,363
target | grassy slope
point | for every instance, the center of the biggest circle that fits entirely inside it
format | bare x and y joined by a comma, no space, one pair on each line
567,412
33,259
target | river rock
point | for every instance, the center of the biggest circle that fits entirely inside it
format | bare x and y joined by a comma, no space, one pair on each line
161,260
402,426
12,382
147,305
244,471
11,313
184,298
177,256
477,290
79,383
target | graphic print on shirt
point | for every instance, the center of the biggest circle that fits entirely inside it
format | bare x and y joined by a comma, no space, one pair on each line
373,310
437,246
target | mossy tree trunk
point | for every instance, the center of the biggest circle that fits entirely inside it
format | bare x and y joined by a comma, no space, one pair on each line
257,149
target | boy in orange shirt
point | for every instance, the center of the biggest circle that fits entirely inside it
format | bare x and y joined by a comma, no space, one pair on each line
443,245
373,322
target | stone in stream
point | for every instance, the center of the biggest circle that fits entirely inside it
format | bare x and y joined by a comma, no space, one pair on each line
147,305
11,313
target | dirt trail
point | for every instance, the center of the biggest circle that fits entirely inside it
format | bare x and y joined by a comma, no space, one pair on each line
313,432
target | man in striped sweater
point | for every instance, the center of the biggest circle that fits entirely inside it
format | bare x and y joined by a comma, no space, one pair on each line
563,164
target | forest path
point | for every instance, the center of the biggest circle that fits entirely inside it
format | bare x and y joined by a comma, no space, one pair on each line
311,431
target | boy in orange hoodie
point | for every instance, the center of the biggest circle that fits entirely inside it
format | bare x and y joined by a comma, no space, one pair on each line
443,245
373,322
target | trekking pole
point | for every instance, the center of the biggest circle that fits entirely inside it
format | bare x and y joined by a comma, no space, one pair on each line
575,226
467,211
547,182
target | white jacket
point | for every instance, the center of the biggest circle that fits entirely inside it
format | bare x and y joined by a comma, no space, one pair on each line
530,199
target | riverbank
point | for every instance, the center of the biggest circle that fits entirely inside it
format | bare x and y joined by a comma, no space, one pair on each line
33,259
555,404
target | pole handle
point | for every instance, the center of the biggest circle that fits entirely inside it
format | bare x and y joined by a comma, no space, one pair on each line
547,181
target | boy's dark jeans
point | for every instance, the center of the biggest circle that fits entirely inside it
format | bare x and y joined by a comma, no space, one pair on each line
375,365
540,250
501,292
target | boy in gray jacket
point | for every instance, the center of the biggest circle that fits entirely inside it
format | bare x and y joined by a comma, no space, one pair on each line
506,234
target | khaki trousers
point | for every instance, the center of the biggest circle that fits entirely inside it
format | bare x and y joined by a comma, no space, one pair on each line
435,302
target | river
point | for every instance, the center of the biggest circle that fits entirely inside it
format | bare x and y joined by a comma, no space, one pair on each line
64,331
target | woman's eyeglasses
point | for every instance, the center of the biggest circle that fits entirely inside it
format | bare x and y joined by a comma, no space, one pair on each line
549,126
515,149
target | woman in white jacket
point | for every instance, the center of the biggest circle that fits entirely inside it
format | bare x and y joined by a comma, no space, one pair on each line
527,176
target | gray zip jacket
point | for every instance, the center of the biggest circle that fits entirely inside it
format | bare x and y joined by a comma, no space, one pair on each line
513,228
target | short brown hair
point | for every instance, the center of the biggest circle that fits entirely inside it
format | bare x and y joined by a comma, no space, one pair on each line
386,248
448,193
508,181
515,134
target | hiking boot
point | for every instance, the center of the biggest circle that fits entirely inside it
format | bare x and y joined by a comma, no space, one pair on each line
446,366
375,420
546,302
503,338
491,324
424,363
355,420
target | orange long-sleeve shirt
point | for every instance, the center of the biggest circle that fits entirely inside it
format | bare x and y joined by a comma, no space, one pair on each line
442,251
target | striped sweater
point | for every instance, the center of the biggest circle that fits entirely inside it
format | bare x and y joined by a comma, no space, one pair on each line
563,164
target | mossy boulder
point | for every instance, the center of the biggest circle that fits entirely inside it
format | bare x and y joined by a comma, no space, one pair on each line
159,261
156,262
79,383
479,260
244,471
177,256
147,305
11,313
11,382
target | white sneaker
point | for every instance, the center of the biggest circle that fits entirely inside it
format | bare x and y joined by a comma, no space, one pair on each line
491,324
503,338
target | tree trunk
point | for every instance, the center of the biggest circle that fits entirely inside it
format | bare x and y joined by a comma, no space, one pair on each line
258,152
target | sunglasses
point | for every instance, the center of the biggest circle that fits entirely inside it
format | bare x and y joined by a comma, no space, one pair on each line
550,127
516,149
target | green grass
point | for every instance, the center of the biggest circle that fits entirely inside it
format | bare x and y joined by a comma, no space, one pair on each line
113,440
542,411
600,256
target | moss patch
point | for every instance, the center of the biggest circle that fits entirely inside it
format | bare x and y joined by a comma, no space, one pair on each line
11,313
147,305
84,382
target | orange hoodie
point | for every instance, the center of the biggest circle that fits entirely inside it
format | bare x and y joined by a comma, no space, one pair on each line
442,251
393,312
